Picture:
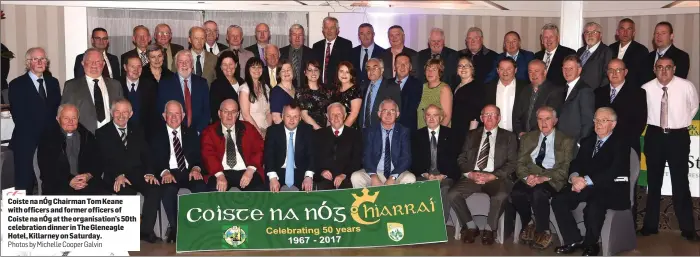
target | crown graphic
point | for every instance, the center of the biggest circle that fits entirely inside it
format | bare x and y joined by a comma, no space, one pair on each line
366,197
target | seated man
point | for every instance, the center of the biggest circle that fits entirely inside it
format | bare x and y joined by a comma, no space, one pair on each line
543,167
288,148
435,153
486,169
176,157
127,164
338,150
232,150
387,151
599,176
67,157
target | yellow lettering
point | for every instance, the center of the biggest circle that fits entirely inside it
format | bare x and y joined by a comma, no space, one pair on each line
400,212
410,208
385,212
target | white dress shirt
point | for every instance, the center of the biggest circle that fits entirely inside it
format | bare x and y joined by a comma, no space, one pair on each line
240,163
662,52
551,56
214,49
109,66
505,98
128,85
570,87
273,174
592,49
682,102
437,134
172,163
105,97
194,60
325,45
340,130
623,49
492,150
549,155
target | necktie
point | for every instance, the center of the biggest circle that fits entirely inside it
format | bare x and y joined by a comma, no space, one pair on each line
188,104
235,56
297,64
531,106
664,108
387,154
364,60
433,152
543,151
144,60
105,70
273,76
597,146
198,67
179,156
262,55
326,60
613,93
133,88
584,57
42,91
165,59
484,153
99,102
368,107
336,133
514,57
289,175
435,56
211,49
547,60
230,150
123,135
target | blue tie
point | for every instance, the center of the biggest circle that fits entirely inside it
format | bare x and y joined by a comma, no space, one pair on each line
387,154
584,57
289,174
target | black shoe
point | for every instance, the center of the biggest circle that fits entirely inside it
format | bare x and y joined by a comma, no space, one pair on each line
171,234
690,235
591,250
646,232
567,249
150,237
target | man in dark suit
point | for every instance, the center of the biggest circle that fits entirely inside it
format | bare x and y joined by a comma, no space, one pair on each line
553,54
177,160
397,40
411,91
482,58
204,64
366,50
511,49
67,156
164,37
289,156
338,151
630,51
594,57
212,30
387,151
437,50
487,168
35,99
375,92
262,38
188,89
543,166
271,71
331,50
100,41
93,94
504,91
127,164
142,95
599,176
141,39
234,38
663,41
297,53
576,114
232,151
541,92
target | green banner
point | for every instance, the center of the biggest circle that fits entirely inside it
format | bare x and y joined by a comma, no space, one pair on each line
377,216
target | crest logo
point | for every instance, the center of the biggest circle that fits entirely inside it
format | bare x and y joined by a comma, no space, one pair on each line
395,231
235,236
359,200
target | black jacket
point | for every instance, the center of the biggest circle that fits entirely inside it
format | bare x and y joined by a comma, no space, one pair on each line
160,145
339,155
276,152
447,152
134,160
53,160
630,104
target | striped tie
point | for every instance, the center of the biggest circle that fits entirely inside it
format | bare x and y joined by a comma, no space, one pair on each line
178,152
123,135
484,153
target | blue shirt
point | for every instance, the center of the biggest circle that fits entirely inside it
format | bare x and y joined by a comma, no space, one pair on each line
182,83
36,83
549,160
380,165
402,82
370,49
371,95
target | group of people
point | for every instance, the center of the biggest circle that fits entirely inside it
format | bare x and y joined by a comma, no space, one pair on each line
519,126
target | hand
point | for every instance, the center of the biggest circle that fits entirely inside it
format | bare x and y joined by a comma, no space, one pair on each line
327,175
307,185
489,177
474,176
119,183
316,126
246,178
77,183
168,178
542,179
85,177
531,180
440,177
390,181
375,180
426,175
221,183
521,134
195,174
578,183
338,180
150,179
473,124
274,185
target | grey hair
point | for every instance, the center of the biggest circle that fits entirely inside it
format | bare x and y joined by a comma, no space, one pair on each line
387,101
551,26
498,110
120,101
546,108
381,63
333,19
153,47
612,112
184,51
234,27
296,26
477,30
31,50
276,47
593,23
192,29
64,106
438,30
165,108
221,106
434,106
92,49
536,61
337,104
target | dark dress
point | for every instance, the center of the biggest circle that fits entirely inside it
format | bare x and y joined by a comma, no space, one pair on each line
221,89
278,99
315,102
467,103
346,97
147,74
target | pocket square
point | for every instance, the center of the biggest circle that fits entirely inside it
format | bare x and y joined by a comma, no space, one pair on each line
622,179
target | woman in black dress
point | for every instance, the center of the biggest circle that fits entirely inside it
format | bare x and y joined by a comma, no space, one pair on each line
467,100
347,93
155,70
313,97
226,84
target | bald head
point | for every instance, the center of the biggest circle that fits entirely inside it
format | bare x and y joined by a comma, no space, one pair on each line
228,112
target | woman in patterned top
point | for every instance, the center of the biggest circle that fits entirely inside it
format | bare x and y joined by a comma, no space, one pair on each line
347,93
313,97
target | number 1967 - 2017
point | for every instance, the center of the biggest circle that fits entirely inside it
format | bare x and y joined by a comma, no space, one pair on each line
299,240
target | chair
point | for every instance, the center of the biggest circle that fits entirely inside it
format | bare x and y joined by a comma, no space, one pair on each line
478,204
158,229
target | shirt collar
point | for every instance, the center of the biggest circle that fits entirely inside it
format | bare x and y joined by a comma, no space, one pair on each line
194,55
573,83
513,56
215,46
332,41
553,51
294,130
34,77
224,129
663,51
512,83
594,47
378,82
605,138
89,79
370,48
618,88
551,135
340,130
385,130
138,51
174,129
129,82
183,78
437,130
118,128
624,48
493,131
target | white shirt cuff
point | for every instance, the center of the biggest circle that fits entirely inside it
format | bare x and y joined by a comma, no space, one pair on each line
395,176
162,172
219,174
272,175
144,176
253,168
309,173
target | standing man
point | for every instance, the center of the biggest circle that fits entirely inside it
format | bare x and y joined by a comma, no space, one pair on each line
411,91
332,50
212,30
35,99
594,56
234,37
365,51
576,117
141,39
437,50
503,92
164,36
397,40
262,38
541,92
93,94
511,49
204,62
663,41
191,91
482,58
297,53
631,52
100,41
672,103
141,93
271,71
374,93
553,54
339,150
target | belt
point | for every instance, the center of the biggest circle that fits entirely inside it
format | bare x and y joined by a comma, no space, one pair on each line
669,130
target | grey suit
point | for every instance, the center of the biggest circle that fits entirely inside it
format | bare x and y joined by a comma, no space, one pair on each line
387,89
76,92
208,67
243,57
594,72
576,114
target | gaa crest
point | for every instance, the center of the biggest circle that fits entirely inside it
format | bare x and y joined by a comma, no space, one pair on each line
235,236
395,231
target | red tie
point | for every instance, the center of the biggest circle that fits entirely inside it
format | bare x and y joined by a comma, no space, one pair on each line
326,61
188,104
336,133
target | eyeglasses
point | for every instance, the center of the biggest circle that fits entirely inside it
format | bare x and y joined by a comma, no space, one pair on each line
618,70
163,33
464,66
226,113
490,114
389,111
375,68
40,59
591,33
597,121
664,68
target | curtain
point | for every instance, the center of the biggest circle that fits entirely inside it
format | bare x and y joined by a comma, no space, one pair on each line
279,23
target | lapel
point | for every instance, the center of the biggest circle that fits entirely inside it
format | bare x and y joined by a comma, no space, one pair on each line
35,92
542,93
532,142
558,145
574,91
477,142
500,141
85,94
395,141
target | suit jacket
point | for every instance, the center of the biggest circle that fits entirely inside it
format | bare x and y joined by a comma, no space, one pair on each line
307,54
447,151
339,155
29,112
79,71
630,104
410,99
524,58
387,89
170,89
160,145
506,159
482,61
276,152
563,154
174,48
609,169
388,59
76,92
254,50
243,56
548,94
595,71
635,59
490,94
554,73
134,160
355,58
576,114
53,161
374,146
340,52
148,116
208,66
449,58
249,145
680,59
266,75
220,90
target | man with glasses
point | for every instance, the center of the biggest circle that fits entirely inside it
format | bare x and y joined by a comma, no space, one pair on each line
663,40
187,88
164,38
212,31
100,41
594,56
141,38
35,97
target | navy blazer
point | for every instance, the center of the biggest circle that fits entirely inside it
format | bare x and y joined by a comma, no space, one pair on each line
170,89
79,71
355,55
160,145
524,58
400,149
275,154
410,99
29,112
